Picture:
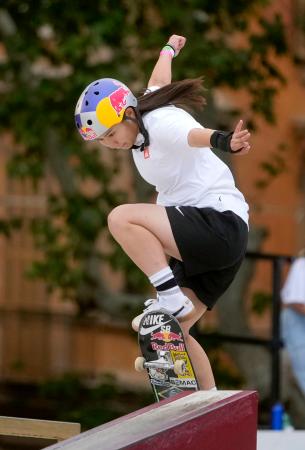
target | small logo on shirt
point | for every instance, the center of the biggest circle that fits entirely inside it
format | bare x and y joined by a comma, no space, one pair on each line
146,153
178,209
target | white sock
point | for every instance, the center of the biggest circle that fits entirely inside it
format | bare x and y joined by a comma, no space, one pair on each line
166,285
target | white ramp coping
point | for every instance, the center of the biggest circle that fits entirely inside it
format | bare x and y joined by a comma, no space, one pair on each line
181,422
281,440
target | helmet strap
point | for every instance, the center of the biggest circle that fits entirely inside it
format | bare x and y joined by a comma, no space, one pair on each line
139,121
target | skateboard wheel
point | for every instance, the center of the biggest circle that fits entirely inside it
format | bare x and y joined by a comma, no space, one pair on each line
179,367
139,364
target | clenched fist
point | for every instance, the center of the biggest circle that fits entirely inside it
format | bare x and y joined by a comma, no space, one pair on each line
177,42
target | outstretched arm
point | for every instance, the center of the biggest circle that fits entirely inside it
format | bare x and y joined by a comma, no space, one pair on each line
162,72
235,142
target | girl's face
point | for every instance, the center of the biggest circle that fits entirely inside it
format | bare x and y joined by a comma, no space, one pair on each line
122,135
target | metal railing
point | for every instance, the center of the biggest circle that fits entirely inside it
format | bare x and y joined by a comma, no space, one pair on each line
274,343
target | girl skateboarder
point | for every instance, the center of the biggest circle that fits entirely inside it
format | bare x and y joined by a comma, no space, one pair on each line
200,219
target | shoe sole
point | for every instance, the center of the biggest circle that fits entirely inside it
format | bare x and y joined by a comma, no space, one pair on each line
135,328
184,318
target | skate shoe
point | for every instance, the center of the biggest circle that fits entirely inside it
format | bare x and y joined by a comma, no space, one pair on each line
181,309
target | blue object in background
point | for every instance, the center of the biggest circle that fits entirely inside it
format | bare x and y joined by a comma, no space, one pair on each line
277,414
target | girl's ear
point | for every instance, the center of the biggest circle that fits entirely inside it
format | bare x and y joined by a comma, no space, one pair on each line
130,112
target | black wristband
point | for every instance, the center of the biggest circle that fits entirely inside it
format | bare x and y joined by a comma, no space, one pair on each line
222,140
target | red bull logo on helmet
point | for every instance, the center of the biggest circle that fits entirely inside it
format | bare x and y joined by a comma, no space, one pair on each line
118,99
88,133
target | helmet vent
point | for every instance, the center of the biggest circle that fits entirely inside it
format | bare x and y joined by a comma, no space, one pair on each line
86,92
86,103
96,92
89,122
96,83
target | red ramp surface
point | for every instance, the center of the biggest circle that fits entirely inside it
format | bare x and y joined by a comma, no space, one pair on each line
221,420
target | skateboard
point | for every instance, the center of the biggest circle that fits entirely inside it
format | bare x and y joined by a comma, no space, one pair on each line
165,357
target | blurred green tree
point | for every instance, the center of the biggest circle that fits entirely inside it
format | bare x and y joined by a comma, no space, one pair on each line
53,49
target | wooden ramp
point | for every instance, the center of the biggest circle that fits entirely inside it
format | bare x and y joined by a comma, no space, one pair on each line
34,428
221,420
17,432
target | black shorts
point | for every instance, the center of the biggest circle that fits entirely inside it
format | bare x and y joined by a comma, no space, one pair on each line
212,245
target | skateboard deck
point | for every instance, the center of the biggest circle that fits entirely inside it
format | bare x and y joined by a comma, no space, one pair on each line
165,357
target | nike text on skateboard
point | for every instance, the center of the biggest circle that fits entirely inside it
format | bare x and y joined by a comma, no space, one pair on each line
165,356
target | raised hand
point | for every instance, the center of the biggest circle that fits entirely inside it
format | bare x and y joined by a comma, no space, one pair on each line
240,139
177,42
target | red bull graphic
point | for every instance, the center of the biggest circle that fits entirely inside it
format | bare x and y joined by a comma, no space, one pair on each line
88,133
168,346
166,335
118,99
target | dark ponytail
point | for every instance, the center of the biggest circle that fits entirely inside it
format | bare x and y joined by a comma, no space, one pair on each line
186,94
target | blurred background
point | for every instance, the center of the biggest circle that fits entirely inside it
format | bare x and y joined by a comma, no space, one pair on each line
67,291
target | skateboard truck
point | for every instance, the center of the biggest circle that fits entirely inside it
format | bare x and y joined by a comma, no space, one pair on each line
161,363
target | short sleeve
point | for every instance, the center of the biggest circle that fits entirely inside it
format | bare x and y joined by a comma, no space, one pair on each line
294,287
172,129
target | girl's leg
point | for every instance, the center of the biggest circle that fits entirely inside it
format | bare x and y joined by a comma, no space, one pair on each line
145,234
200,361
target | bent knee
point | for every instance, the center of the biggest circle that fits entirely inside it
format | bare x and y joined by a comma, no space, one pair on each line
118,218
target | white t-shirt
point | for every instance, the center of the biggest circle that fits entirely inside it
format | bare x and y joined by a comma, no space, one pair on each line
184,175
294,287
